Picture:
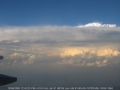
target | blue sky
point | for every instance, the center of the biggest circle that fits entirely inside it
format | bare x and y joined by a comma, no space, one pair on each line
58,12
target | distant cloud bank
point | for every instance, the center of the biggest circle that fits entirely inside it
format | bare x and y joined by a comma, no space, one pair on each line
95,32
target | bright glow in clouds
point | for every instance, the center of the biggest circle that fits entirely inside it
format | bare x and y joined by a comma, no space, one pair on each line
99,51
94,44
97,24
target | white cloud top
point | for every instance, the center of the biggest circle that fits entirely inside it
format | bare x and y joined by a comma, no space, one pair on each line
97,24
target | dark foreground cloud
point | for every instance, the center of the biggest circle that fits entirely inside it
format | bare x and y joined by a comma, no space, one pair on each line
39,75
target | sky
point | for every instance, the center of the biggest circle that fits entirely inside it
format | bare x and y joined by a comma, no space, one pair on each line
50,43
58,12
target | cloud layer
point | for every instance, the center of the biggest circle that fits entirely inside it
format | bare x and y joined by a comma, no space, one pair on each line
58,35
94,44
61,55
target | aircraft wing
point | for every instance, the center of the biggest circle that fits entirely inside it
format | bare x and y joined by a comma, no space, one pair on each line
4,79
1,57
